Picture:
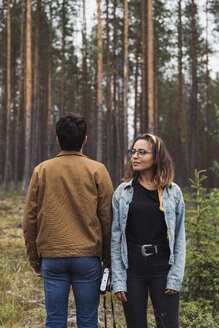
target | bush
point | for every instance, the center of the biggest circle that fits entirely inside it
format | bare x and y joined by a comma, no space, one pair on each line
199,291
194,315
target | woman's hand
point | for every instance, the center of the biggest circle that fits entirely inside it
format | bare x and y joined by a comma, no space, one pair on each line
121,296
170,292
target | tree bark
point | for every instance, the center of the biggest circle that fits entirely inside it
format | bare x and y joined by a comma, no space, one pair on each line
136,95
99,85
21,82
117,148
28,102
125,83
49,118
36,93
62,106
143,69
84,66
208,143
180,77
156,114
109,95
150,68
194,91
7,159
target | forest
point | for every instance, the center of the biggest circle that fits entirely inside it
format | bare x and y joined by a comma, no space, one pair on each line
128,67
134,67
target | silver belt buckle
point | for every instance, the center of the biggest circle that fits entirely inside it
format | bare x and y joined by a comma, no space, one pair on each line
144,249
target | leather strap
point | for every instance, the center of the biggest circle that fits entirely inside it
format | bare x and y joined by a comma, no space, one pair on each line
105,310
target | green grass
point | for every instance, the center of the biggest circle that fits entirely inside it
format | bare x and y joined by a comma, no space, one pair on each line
21,292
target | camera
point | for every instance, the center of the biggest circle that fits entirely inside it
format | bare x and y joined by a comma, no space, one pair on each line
105,281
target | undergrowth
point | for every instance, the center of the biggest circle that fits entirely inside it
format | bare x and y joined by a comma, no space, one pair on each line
21,292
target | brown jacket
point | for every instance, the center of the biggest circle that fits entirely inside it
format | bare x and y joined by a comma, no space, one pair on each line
68,209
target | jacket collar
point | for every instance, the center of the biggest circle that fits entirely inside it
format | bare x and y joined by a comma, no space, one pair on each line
69,153
128,184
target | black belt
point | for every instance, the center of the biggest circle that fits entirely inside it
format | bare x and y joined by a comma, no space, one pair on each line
150,249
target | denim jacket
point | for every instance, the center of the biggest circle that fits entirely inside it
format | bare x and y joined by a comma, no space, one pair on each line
174,213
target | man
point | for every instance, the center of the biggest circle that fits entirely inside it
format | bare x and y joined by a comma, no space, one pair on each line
67,225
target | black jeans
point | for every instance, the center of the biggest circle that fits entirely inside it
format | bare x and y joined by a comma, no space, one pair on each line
149,274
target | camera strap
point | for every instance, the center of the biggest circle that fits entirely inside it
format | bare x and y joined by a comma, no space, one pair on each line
112,309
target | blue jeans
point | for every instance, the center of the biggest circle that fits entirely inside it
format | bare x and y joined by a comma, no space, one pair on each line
83,274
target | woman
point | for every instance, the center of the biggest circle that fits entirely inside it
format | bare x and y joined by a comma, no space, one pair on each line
148,236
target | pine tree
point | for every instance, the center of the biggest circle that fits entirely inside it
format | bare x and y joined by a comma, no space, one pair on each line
200,282
99,86
28,99
7,160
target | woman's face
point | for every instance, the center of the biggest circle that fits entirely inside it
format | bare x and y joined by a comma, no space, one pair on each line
142,159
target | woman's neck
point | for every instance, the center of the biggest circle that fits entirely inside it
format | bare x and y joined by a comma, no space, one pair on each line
147,180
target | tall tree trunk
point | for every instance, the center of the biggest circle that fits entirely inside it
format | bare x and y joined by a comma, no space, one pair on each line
84,66
109,95
49,119
143,69
150,68
156,115
36,93
21,81
136,95
180,77
193,154
7,159
125,83
28,99
208,143
44,115
99,86
117,149
62,106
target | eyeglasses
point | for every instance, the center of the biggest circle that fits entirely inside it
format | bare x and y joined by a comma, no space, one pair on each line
140,153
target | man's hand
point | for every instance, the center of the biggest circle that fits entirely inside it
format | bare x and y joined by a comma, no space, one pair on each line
121,296
37,272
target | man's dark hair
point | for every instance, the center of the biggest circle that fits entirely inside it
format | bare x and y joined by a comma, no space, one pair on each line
71,130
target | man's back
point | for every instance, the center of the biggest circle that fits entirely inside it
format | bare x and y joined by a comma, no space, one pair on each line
72,206
67,226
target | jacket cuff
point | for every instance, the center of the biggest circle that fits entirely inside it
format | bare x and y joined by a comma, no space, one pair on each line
35,263
174,284
119,287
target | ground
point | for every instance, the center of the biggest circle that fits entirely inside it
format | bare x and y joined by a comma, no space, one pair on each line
21,292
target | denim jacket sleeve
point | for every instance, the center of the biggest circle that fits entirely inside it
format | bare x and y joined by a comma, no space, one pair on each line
118,268
175,275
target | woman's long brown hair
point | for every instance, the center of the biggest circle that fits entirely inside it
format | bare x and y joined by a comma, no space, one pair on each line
163,167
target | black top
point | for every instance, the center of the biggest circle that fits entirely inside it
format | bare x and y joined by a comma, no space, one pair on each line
145,223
